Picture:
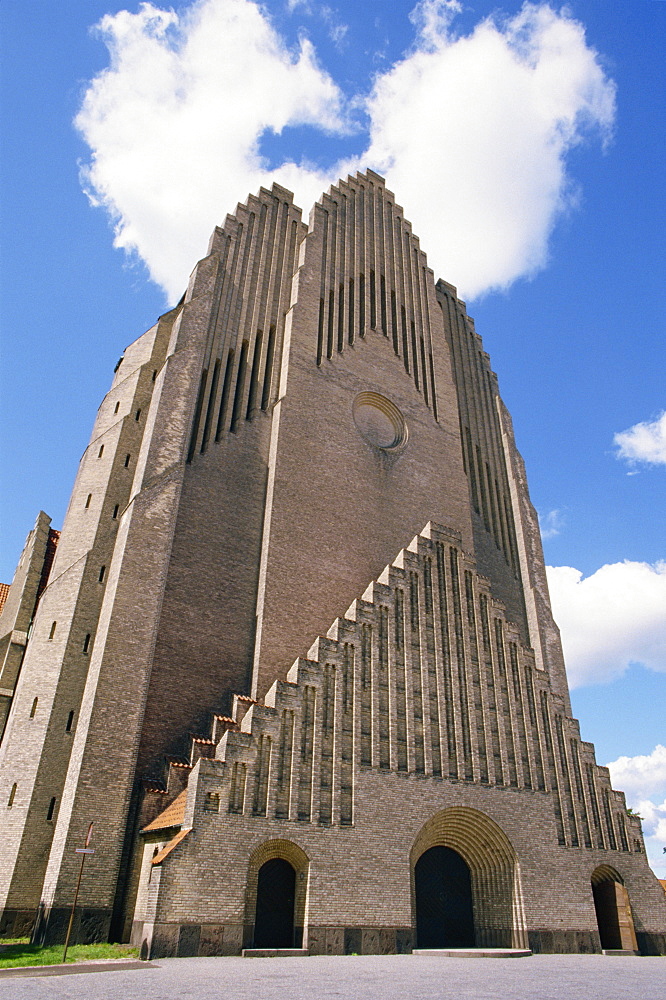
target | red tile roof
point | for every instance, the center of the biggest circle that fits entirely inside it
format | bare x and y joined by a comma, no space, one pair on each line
173,815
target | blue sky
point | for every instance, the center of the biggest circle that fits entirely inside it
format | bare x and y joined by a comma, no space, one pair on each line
549,215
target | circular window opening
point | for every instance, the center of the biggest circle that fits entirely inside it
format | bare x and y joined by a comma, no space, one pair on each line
379,421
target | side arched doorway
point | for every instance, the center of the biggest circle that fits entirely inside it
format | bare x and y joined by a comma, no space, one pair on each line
443,900
613,910
276,895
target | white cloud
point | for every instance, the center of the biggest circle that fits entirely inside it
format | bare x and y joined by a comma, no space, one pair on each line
644,442
550,524
174,123
472,131
610,619
643,780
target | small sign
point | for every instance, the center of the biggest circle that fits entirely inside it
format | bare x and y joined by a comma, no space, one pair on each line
84,850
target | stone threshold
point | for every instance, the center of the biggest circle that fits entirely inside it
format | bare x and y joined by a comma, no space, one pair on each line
473,952
274,952
619,951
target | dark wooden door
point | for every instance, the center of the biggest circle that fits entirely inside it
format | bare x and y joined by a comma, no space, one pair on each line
444,916
276,892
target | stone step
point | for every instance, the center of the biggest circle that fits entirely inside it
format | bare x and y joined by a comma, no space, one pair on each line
274,952
473,952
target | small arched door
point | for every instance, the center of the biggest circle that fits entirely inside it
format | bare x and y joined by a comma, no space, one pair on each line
613,909
276,893
443,891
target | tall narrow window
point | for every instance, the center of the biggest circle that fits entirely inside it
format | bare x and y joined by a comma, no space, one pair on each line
211,405
102,573
127,461
115,511
268,371
70,721
238,395
33,710
154,374
51,810
101,451
53,628
373,302
88,499
12,796
254,376
86,643
137,415
117,407
361,305
226,386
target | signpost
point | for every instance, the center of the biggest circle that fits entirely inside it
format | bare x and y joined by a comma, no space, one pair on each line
83,851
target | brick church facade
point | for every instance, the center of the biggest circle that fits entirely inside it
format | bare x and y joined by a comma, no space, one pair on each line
292,653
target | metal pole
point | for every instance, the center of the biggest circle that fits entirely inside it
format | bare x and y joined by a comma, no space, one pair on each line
71,916
83,852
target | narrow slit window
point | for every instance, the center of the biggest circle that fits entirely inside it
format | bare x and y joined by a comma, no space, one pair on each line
102,573
86,643
320,332
127,461
268,372
115,511
329,342
117,406
240,382
33,710
350,330
12,796
197,415
137,415
211,405
51,810
361,305
70,722
226,386
254,376
405,349
382,303
53,629
415,363
101,451
154,374
88,499
373,302
341,317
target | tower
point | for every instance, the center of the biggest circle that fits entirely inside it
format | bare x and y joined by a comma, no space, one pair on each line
298,618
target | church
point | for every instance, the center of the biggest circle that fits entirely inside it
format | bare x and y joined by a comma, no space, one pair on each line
292,654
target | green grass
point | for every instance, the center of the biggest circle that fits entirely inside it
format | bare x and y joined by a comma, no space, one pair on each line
23,953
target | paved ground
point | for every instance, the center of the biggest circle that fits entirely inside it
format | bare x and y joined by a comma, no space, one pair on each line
394,977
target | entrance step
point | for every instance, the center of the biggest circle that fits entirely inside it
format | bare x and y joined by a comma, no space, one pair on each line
274,952
619,951
474,952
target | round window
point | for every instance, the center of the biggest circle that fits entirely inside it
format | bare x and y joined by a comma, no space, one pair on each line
379,421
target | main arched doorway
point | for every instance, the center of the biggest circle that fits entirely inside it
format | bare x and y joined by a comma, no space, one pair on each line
443,897
276,895
613,910
466,883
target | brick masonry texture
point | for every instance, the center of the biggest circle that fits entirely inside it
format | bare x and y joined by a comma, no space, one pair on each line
315,414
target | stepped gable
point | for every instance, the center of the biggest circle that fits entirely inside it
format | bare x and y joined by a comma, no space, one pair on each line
424,676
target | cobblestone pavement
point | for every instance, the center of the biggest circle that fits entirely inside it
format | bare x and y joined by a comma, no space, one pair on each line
394,977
